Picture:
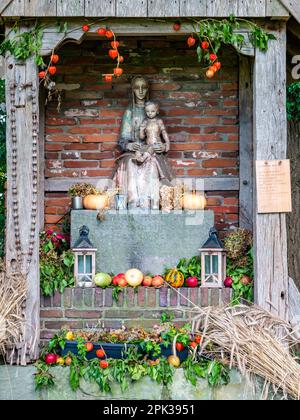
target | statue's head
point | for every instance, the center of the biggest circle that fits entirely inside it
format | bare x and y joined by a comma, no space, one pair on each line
151,109
140,88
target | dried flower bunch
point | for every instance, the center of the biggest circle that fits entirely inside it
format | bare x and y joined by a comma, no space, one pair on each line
170,197
237,244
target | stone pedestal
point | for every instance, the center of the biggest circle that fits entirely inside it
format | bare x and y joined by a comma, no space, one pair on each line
149,241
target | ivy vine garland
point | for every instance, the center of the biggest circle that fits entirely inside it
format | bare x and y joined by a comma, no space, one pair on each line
207,37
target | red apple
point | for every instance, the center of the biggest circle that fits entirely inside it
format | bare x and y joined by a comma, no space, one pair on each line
228,282
50,358
117,277
192,282
157,281
147,281
122,282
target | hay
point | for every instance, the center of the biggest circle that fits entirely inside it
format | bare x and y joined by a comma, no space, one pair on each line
12,297
252,340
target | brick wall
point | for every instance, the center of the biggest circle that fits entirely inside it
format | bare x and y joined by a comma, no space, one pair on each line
201,116
82,308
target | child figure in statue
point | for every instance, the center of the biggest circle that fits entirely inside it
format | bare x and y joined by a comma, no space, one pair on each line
153,130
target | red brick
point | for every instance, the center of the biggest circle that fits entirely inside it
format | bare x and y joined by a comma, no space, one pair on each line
200,172
219,163
186,146
59,201
101,138
221,146
63,138
80,164
111,112
225,209
52,130
107,164
231,201
60,121
84,314
97,155
52,219
51,313
98,172
57,147
201,121
98,121
84,130
75,146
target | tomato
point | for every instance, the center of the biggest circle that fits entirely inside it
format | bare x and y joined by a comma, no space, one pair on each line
52,70
68,361
103,364
193,344
118,71
89,346
198,339
101,31
54,58
100,353
191,41
179,346
109,34
113,53
85,28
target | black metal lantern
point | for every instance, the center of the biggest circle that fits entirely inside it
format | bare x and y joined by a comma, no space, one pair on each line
213,261
85,259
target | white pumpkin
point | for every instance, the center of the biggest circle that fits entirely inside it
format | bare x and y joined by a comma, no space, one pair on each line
134,277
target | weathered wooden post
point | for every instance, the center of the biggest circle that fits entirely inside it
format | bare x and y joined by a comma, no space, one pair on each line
270,142
23,193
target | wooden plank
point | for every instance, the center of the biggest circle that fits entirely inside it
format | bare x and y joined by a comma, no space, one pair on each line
294,306
251,8
193,8
70,8
246,143
270,142
167,8
2,67
293,6
15,8
209,184
100,8
4,4
275,8
128,8
222,8
40,8
22,228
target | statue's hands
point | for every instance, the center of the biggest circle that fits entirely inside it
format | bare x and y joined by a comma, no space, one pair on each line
133,147
167,147
159,148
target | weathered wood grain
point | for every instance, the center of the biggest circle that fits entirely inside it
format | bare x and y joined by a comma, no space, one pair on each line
209,184
275,8
128,8
15,8
293,6
2,67
100,8
193,8
294,306
270,142
20,197
246,143
293,219
222,8
251,8
70,8
40,8
4,4
167,8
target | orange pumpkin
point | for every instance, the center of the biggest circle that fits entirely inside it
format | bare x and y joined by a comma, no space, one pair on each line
175,278
95,202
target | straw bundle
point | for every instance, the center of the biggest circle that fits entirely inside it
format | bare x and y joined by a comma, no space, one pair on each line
252,340
12,296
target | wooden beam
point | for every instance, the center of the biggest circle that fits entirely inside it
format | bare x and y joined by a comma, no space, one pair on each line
294,305
293,6
22,221
96,8
210,184
246,143
166,8
70,8
275,9
4,5
270,142
193,8
251,8
129,8
15,8
40,8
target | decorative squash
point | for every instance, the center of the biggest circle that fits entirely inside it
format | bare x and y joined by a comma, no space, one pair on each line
193,201
175,278
95,202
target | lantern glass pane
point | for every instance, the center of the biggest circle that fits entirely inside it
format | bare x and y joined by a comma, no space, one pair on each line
88,263
80,264
207,264
215,264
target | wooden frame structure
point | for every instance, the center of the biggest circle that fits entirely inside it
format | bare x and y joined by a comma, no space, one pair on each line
263,123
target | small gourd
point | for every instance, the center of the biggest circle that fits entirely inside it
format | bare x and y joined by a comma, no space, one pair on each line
175,278
173,359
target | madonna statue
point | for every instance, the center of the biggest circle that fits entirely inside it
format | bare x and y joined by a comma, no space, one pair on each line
140,179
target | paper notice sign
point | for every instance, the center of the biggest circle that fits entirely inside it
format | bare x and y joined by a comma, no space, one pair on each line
273,183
